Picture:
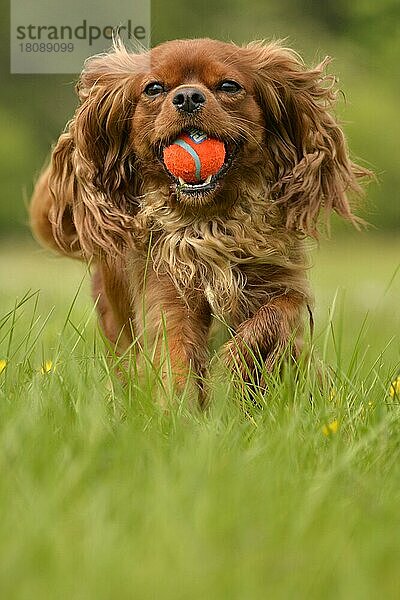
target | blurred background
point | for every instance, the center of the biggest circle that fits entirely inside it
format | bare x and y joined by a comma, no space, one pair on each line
362,36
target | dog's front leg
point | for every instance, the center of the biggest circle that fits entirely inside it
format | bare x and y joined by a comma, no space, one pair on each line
264,338
173,331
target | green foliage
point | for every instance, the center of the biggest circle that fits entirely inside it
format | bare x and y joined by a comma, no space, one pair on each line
104,494
361,35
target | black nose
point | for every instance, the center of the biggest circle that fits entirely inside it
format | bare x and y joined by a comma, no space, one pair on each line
189,99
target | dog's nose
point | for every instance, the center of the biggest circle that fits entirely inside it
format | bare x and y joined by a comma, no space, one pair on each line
188,99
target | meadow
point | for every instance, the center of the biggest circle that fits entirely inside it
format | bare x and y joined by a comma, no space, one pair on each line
105,495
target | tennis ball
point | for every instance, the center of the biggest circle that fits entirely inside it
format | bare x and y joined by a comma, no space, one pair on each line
194,157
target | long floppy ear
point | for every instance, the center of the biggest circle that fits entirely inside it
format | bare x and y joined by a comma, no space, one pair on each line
305,144
92,172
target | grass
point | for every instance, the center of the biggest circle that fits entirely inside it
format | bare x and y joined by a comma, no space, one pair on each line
102,495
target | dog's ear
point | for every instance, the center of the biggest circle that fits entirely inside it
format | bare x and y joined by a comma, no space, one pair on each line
92,173
306,146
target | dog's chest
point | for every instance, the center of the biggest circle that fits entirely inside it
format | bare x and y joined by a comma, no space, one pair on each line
214,263
232,295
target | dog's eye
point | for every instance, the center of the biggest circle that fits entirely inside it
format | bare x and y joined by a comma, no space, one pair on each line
229,86
154,89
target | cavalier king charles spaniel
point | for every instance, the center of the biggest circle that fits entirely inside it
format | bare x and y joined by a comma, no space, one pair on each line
170,254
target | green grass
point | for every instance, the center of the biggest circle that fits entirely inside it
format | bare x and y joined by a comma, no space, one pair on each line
104,495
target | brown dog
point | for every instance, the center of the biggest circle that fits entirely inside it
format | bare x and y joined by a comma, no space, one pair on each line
175,253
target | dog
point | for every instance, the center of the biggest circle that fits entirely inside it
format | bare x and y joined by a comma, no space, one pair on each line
169,254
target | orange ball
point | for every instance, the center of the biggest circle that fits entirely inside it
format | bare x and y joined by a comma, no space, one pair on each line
193,156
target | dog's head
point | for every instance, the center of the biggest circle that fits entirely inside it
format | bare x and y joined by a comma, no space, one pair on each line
209,86
271,113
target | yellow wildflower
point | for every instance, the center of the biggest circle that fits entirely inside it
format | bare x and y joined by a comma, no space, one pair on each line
331,427
3,364
47,367
394,390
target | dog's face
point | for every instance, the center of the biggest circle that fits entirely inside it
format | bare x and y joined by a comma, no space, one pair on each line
200,84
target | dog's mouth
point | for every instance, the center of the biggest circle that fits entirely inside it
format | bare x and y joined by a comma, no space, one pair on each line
192,183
